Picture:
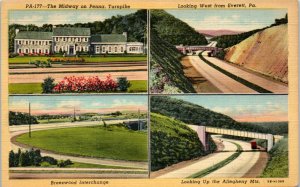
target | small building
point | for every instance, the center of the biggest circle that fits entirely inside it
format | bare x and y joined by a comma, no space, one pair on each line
136,125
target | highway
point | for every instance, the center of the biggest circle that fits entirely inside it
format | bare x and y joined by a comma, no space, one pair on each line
218,79
253,78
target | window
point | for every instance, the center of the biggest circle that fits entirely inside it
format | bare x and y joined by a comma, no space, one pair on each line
85,39
116,49
46,42
33,42
56,39
121,49
40,51
19,42
40,42
97,49
103,49
46,51
26,50
26,42
64,39
32,51
109,49
20,50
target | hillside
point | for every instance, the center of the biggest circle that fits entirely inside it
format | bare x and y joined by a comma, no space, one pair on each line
166,75
134,24
218,32
173,30
265,52
278,165
197,115
173,141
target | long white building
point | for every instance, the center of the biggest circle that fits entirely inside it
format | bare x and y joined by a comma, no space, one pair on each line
71,40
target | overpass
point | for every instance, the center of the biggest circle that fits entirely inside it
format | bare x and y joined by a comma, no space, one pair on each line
203,130
188,49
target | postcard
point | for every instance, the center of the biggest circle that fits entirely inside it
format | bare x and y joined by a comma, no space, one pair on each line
149,93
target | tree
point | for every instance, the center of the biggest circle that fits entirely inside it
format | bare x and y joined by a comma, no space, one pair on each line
48,85
12,159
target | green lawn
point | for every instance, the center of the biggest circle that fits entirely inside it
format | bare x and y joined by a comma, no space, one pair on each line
112,142
278,164
26,59
36,88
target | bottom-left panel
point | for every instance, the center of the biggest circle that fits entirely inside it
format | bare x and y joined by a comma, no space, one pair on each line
78,136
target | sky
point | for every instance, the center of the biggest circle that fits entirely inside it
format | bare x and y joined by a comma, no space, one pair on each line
82,104
237,20
55,17
245,108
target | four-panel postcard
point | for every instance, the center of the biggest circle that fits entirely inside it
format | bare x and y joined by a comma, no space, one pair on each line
149,93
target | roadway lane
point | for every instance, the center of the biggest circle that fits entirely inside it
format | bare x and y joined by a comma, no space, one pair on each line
255,79
203,163
241,165
218,79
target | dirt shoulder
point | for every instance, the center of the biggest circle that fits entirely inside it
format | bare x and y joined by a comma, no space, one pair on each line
200,83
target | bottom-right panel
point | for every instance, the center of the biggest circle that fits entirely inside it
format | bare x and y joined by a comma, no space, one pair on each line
232,136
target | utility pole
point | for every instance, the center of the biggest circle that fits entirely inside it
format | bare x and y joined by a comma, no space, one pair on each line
74,115
139,128
29,121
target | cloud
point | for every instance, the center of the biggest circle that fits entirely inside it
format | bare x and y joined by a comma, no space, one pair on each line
26,19
68,104
99,104
23,106
124,102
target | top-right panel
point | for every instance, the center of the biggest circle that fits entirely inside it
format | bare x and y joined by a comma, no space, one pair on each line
219,51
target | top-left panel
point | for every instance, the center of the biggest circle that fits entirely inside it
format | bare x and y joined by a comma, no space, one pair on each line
63,52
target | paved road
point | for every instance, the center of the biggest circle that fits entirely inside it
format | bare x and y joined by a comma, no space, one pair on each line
75,69
218,79
204,163
39,78
240,166
255,79
21,129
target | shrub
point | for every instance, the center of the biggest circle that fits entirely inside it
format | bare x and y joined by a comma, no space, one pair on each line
18,118
123,83
66,59
221,54
82,84
48,85
12,55
63,163
49,159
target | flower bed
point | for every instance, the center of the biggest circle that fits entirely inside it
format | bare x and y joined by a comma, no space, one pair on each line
83,84
66,59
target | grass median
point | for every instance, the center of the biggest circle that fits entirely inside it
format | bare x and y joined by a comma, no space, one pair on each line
218,165
129,58
112,142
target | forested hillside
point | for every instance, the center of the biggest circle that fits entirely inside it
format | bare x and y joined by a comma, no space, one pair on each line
174,30
197,115
134,24
173,141
279,128
166,74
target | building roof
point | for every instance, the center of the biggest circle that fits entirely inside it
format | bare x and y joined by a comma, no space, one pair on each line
36,35
108,38
71,31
